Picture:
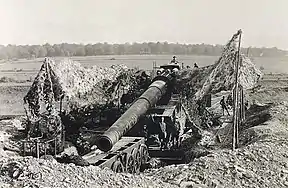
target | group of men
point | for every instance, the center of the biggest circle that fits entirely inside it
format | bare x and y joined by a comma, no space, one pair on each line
164,133
224,104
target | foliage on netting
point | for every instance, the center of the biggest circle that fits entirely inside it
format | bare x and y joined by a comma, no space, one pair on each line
129,83
43,93
197,82
84,92
222,77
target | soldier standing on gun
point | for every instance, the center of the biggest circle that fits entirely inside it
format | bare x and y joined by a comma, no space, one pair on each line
223,105
174,61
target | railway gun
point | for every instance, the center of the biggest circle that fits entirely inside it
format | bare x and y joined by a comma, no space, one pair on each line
147,125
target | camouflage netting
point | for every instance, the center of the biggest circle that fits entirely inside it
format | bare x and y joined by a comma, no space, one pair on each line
84,86
197,82
81,90
222,77
43,93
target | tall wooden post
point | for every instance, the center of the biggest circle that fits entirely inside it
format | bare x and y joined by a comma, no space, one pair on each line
236,109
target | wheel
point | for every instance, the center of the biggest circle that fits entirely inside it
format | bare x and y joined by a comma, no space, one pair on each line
144,154
130,166
118,167
137,157
144,157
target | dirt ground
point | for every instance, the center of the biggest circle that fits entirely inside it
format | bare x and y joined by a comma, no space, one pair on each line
261,160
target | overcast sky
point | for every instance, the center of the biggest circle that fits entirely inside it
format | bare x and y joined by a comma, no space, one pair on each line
264,22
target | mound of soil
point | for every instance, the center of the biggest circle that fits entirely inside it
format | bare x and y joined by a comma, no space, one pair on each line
31,172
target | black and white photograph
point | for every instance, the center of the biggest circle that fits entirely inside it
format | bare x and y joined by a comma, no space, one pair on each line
143,94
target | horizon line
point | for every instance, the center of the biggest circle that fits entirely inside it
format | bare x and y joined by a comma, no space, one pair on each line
131,43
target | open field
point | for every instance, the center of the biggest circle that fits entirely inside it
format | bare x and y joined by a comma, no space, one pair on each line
26,70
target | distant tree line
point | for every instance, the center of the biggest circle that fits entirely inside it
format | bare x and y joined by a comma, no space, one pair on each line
65,49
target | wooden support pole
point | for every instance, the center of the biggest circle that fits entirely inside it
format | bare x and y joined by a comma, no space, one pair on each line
236,109
37,149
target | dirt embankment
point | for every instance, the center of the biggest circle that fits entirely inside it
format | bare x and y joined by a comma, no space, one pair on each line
31,172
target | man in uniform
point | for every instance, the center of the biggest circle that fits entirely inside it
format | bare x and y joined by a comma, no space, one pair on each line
176,132
163,133
229,100
174,61
223,105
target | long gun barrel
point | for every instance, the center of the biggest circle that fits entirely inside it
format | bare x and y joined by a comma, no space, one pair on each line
148,99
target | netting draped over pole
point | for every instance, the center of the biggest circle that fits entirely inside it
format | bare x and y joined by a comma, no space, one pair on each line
42,94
